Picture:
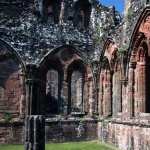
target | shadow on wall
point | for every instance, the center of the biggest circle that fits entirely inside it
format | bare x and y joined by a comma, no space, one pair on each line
52,105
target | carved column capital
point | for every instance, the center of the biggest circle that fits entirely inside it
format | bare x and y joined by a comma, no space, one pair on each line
31,73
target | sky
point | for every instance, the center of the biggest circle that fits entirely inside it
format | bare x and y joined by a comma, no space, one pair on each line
119,4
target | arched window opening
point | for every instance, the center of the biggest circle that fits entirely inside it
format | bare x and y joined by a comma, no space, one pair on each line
142,80
117,91
77,84
52,92
82,14
51,10
76,88
139,87
105,95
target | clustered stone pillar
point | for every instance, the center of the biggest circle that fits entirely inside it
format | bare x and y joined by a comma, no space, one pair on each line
32,86
34,123
140,92
107,98
22,99
35,133
131,89
91,99
66,104
101,95
85,97
124,96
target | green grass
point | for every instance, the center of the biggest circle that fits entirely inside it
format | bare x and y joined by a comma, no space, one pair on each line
94,145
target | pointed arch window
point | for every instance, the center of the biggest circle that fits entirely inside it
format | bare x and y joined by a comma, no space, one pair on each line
77,91
48,10
82,12
52,91
76,87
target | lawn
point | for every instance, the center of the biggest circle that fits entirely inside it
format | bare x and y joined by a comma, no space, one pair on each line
94,145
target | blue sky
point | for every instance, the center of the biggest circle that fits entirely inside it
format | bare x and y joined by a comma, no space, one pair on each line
119,4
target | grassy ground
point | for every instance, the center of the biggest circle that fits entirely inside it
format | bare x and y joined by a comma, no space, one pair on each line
65,146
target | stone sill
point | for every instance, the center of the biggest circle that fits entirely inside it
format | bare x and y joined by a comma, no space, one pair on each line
129,121
70,119
78,114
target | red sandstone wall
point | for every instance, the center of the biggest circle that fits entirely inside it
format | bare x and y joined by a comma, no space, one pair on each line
125,136
11,133
12,98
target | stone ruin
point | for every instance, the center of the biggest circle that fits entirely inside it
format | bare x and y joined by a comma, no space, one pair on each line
74,70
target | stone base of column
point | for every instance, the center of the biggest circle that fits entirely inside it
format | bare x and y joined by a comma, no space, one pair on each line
35,133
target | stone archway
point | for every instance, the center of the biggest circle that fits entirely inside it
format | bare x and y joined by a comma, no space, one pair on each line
12,83
12,94
105,93
67,62
76,86
138,67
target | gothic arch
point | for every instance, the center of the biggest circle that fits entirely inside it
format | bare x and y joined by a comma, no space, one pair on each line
105,89
16,55
66,60
137,71
110,52
110,61
12,83
139,34
51,74
56,50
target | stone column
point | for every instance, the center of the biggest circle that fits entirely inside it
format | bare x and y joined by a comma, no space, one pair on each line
32,90
123,96
85,97
114,95
34,124
91,99
107,101
101,95
22,98
131,89
66,104
35,133
140,92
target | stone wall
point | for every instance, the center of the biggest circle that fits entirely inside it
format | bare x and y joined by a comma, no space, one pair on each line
125,135
11,133
11,89
56,131
71,130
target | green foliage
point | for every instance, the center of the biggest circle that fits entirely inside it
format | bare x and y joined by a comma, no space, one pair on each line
94,145
123,48
7,117
129,14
